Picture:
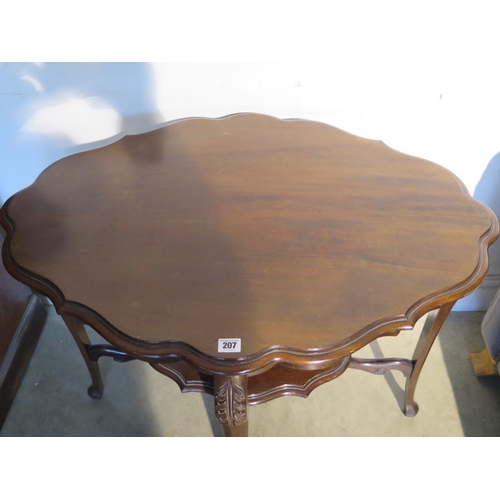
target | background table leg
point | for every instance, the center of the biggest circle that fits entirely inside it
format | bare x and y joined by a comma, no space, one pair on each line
82,340
433,324
231,405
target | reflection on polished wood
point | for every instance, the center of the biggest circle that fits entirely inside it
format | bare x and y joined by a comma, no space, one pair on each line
303,241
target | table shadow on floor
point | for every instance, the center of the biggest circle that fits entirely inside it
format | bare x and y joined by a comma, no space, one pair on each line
477,399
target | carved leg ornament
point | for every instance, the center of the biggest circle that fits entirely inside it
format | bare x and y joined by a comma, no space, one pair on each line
82,340
433,324
231,405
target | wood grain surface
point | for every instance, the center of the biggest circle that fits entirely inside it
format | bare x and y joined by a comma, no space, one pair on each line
302,240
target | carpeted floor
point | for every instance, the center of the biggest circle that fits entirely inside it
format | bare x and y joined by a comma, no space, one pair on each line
138,401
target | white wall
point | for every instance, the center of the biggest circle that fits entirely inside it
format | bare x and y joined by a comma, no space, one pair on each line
444,109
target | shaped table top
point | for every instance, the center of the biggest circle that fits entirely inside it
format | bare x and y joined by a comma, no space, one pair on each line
300,239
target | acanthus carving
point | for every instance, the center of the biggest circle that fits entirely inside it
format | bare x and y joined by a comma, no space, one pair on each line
231,403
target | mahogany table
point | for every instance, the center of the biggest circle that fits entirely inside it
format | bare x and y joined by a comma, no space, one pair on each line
248,257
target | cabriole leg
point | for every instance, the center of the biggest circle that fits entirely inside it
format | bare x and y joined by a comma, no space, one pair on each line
231,406
82,340
433,324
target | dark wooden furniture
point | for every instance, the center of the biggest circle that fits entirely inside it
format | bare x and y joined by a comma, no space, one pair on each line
248,257
22,316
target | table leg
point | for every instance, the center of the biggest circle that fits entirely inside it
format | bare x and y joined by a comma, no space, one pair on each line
433,324
75,326
231,405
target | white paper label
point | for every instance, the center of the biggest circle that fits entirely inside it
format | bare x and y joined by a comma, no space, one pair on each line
229,345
